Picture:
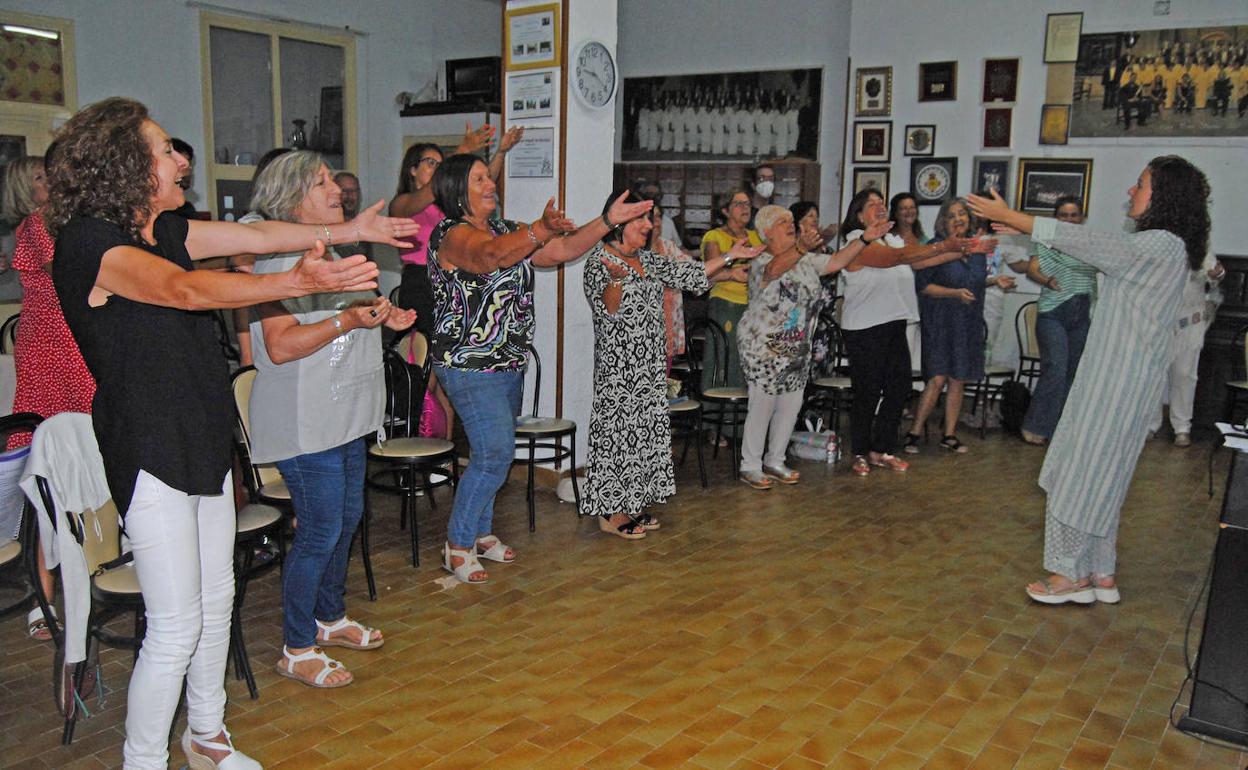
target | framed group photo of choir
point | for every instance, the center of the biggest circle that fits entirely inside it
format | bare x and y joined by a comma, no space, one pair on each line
1042,181
1188,82
719,116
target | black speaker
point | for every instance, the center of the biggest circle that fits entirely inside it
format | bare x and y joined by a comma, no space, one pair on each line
1235,501
1219,706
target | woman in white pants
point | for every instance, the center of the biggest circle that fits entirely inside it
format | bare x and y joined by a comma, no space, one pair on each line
774,337
1199,305
124,273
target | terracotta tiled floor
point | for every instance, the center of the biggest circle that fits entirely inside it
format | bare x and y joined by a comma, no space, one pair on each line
844,622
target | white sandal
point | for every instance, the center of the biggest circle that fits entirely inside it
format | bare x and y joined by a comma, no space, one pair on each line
236,760
286,667
324,635
465,570
495,550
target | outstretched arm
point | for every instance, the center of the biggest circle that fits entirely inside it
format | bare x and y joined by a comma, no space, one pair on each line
226,239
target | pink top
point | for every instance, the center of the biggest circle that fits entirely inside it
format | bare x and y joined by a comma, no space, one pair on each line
428,219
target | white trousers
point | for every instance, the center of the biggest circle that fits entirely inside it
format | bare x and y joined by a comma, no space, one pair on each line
1181,377
183,554
766,409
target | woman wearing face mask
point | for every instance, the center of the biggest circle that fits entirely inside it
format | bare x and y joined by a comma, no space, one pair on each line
318,392
630,443
1092,457
1068,289
951,311
728,299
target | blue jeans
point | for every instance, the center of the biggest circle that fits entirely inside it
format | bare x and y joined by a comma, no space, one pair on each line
327,491
1061,333
487,404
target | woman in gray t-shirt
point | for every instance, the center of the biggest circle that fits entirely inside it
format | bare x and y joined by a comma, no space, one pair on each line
319,391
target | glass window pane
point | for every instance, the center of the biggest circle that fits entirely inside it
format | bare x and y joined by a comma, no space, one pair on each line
312,103
242,96
31,67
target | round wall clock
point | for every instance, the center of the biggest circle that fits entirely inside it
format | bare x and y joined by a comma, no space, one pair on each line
594,75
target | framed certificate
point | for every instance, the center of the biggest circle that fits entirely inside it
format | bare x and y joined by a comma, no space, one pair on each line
873,93
1061,37
532,37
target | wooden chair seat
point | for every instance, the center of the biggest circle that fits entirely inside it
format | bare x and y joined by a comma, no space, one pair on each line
256,516
688,405
119,581
835,382
413,447
724,393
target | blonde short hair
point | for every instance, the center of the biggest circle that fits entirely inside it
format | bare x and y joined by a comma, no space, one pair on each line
284,183
18,200
767,217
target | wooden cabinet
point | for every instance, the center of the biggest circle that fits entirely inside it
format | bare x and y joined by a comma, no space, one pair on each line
690,189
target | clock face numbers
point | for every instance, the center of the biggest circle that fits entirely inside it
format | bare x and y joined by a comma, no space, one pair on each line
595,75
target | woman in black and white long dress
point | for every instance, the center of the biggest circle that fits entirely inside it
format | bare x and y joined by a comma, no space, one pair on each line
630,456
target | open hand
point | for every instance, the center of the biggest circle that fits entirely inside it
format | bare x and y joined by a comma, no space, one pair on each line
475,139
877,229
617,271
314,274
376,228
621,212
1005,282
1003,229
965,296
983,246
742,251
957,244
555,221
509,139
993,208
809,239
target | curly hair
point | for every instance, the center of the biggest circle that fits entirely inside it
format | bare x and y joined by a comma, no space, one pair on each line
103,167
1179,205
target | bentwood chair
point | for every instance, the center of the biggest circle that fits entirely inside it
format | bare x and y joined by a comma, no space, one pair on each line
264,481
18,557
534,432
113,586
723,406
989,388
8,333
832,392
411,461
686,422
1028,345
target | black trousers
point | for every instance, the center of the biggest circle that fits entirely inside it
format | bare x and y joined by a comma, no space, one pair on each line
416,293
879,370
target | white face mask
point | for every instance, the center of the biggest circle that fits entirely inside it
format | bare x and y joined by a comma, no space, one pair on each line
765,188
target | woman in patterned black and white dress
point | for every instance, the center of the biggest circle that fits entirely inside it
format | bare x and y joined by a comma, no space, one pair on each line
630,455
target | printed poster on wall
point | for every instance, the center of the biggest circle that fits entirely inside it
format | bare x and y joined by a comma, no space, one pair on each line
533,157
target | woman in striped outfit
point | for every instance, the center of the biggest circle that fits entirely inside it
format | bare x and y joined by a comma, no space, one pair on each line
1098,440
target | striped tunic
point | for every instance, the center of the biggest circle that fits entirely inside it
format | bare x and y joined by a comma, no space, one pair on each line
1092,456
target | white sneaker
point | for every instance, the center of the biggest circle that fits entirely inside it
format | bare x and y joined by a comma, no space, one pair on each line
1182,439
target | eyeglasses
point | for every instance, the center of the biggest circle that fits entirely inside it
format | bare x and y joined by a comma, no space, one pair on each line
739,204
430,162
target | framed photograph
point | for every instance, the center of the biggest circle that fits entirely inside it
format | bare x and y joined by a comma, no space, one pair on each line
1054,123
662,120
938,81
992,172
1061,37
532,37
873,141
920,140
1000,80
933,179
871,178
873,92
998,128
1041,181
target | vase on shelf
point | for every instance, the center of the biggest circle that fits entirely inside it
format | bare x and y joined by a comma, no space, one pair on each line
298,138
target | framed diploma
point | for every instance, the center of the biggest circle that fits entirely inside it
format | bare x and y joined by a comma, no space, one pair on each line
532,37
1061,37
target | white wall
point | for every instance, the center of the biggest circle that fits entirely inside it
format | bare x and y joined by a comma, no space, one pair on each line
660,37
900,33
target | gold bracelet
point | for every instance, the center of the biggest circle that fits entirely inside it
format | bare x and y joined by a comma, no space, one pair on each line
329,241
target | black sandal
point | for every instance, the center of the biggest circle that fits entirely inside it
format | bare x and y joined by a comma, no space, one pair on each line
951,443
911,447
629,530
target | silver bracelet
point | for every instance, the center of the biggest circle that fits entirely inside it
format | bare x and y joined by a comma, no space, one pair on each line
727,260
337,322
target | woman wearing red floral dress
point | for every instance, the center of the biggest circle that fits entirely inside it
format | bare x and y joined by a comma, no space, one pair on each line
51,375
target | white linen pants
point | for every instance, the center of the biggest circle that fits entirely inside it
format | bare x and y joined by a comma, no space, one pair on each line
1181,378
766,409
183,554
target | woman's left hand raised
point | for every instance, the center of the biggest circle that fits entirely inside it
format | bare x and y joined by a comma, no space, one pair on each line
555,221
313,274
877,229
742,251
511,138
993,208
621,212
375,228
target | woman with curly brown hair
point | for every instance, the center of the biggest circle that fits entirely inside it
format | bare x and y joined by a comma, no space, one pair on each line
1098,440
124,272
